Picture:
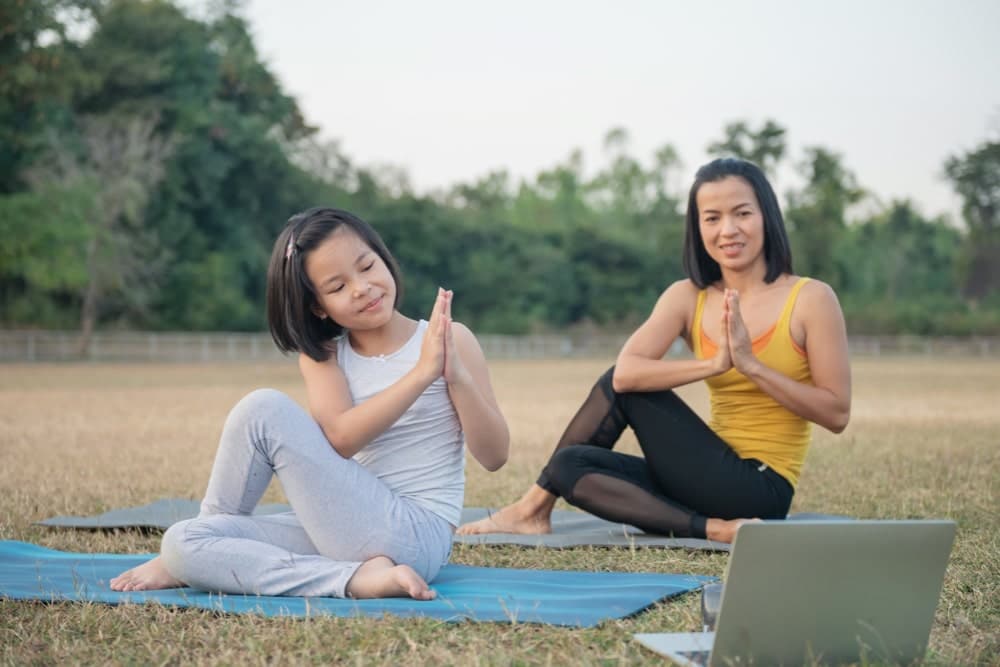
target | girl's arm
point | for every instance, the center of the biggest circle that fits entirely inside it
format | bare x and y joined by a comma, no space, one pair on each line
827,401
640,365
471,393
349,428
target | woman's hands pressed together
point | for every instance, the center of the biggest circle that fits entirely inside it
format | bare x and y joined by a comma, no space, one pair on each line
735,348
737,338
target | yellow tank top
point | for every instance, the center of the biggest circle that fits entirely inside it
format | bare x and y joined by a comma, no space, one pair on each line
755,425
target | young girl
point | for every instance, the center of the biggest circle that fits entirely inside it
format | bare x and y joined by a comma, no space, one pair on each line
375,474
772,348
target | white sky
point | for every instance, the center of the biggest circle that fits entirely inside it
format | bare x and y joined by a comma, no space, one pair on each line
450,90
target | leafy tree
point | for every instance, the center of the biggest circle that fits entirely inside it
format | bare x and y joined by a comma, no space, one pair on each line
764,147
230,182
899,255
38,73
120,161
816,214
976,178
43,268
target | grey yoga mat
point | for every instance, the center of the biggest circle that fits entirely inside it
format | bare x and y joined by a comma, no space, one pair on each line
569,528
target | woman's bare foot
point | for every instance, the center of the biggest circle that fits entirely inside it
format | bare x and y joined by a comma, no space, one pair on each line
531,515
381,578
514,518
721,530
150,576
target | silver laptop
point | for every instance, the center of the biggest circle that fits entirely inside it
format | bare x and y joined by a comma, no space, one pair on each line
822,591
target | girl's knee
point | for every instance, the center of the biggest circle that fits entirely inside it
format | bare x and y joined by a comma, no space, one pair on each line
264,400
175,549
262,404
180,543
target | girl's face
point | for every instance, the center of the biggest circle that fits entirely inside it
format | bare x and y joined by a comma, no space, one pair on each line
731,223
353,285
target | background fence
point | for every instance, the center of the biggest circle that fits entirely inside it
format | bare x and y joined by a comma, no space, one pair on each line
40,346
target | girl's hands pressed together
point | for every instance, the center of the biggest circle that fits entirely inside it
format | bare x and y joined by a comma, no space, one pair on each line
740,346
455,371
432,351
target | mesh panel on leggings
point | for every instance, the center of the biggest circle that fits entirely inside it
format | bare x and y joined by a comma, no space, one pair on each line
622,501
599,421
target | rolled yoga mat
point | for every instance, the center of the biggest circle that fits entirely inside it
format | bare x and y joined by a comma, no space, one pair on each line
573,599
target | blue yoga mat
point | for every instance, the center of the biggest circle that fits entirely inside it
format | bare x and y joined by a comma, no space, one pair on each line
574,599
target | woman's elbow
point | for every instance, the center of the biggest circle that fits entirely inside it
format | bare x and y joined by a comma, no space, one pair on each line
839,421
621,381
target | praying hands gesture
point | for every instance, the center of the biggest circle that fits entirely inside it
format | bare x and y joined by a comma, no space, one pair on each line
439,354
735,347
452,352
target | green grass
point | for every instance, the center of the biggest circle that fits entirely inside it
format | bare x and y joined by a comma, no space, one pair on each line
81,439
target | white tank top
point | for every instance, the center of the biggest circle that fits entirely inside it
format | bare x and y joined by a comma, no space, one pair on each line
421,456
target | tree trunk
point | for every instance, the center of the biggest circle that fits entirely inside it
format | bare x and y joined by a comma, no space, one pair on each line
88,312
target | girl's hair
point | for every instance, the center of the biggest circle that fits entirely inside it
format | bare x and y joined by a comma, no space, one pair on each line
291,296
702,269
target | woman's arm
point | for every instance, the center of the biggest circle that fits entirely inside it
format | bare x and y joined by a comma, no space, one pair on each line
640,365
349,428
471,392
827,401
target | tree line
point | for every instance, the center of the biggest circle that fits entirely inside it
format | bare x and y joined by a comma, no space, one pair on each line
148,158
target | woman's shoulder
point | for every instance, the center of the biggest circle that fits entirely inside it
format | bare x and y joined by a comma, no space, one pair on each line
816,296
677,302
813,288
682,289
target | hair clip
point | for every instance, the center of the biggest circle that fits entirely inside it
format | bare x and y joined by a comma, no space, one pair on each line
290,247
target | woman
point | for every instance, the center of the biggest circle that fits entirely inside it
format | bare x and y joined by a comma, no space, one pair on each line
772,348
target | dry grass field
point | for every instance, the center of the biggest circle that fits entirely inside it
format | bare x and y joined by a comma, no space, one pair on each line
924,441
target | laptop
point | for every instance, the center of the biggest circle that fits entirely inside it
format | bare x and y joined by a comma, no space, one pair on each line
822,591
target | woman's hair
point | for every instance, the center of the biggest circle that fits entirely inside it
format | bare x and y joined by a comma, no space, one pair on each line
291,296
702,269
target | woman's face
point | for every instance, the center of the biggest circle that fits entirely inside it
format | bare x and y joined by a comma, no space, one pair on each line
353,285
731,223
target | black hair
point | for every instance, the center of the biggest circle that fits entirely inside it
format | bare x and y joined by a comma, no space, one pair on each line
702,269
291,296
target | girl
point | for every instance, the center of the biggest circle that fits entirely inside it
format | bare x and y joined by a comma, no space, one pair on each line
375,475
772,348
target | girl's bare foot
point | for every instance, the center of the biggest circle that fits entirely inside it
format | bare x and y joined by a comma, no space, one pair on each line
381,578
150,576
531,515
721,530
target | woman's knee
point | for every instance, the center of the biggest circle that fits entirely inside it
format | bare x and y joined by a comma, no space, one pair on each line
567,466
606,383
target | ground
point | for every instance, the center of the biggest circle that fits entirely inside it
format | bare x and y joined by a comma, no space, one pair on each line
86,438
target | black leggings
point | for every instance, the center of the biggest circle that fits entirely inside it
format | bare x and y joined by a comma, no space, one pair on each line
688,474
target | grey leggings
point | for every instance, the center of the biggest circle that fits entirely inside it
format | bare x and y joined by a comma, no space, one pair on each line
342,514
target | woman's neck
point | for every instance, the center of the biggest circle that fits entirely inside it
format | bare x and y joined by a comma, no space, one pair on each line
385,339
